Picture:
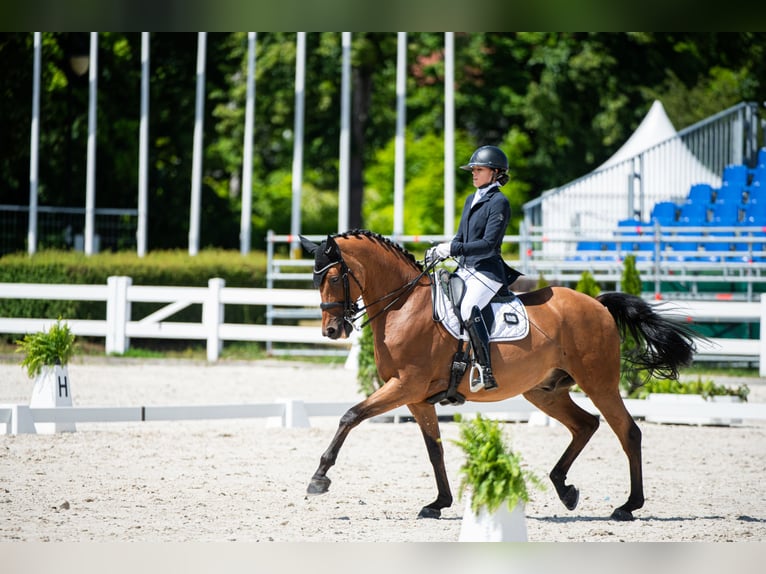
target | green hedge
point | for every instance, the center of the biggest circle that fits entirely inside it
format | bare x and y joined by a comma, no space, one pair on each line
157,268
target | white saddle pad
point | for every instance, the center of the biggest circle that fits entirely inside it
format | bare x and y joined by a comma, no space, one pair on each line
511,321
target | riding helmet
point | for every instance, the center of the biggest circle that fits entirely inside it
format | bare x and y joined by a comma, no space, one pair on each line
487,156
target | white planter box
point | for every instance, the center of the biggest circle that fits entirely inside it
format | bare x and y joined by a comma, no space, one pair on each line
52,389
502,525
691,401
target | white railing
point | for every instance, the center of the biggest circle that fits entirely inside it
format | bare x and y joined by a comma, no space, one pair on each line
20,419
119,325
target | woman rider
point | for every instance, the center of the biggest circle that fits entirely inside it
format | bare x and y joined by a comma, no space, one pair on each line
485,217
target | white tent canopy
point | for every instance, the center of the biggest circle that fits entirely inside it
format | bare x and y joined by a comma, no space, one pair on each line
653,165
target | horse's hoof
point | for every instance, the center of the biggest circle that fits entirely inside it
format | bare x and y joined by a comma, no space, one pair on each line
622,515
318,485
571,498
428,512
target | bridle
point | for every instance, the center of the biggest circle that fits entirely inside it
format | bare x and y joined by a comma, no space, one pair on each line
351,310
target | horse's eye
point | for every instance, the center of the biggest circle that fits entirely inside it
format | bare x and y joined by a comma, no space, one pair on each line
334,279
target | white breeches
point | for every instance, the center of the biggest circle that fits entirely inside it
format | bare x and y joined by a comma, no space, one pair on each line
479,290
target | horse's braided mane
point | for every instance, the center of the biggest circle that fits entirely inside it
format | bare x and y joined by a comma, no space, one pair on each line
385,241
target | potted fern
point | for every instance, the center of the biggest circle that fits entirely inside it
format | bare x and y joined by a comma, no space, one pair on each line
498,484
46,356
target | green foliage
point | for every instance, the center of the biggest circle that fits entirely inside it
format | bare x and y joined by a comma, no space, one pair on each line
631,278
630,378
46,349
492,470
367,374
706,388
532,93
541,282
587,284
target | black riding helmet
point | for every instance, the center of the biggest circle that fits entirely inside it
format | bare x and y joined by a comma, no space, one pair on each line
488,156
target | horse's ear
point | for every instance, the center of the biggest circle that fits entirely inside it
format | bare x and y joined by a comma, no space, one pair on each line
309,246
331,249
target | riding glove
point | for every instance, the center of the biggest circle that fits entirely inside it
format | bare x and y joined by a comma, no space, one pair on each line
442,250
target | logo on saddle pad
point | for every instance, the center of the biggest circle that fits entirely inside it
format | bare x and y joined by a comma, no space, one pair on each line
507,320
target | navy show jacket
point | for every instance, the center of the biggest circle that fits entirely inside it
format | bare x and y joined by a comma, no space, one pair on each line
480,234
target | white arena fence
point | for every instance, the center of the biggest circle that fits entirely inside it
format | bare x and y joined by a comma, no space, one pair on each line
119,325
21,419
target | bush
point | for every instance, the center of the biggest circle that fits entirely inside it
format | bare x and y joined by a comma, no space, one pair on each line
699,387
367,374
46,349
491,469
587,284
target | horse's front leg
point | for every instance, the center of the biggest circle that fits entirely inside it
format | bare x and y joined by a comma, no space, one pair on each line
425,416
386,398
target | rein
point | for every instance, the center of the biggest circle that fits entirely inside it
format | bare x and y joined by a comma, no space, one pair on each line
352,311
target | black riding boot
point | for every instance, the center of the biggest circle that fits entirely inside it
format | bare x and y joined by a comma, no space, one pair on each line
477,332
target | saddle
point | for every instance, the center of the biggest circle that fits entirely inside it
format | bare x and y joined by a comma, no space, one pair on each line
505,316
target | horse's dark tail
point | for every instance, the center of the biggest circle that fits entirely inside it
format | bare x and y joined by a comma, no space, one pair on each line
663,344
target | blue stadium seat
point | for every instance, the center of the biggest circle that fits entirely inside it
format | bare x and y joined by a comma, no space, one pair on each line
735,175
759,176
665,213
729,194
627,230
722,214
691,215
754,217
593,251
700,193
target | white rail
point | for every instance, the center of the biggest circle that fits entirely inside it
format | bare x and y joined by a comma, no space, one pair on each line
119,325
19,419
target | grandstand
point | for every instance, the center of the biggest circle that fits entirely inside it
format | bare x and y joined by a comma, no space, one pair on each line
688,204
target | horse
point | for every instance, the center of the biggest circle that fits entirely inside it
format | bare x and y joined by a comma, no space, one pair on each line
574,338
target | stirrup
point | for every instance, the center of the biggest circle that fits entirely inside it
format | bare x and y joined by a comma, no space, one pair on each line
476,378
479,381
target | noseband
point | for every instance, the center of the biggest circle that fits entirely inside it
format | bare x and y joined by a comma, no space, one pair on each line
350,308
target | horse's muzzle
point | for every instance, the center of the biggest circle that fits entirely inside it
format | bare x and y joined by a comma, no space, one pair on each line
336,328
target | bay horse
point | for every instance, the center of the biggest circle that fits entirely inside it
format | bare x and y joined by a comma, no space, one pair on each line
573,339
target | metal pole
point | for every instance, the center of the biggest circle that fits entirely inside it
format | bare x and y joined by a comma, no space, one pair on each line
90,185
143,149
449,133
401,111
34,146
300,79
247,159
345,137
196,190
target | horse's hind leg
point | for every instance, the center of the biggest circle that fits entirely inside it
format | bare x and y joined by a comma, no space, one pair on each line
616,414
558,404
425,416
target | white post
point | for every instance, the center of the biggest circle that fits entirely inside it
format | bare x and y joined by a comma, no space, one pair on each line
300,81
247,154
90,185
143,149
401,113
449,133
52,390
117,314
345,134
196,190
34,147
212,317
